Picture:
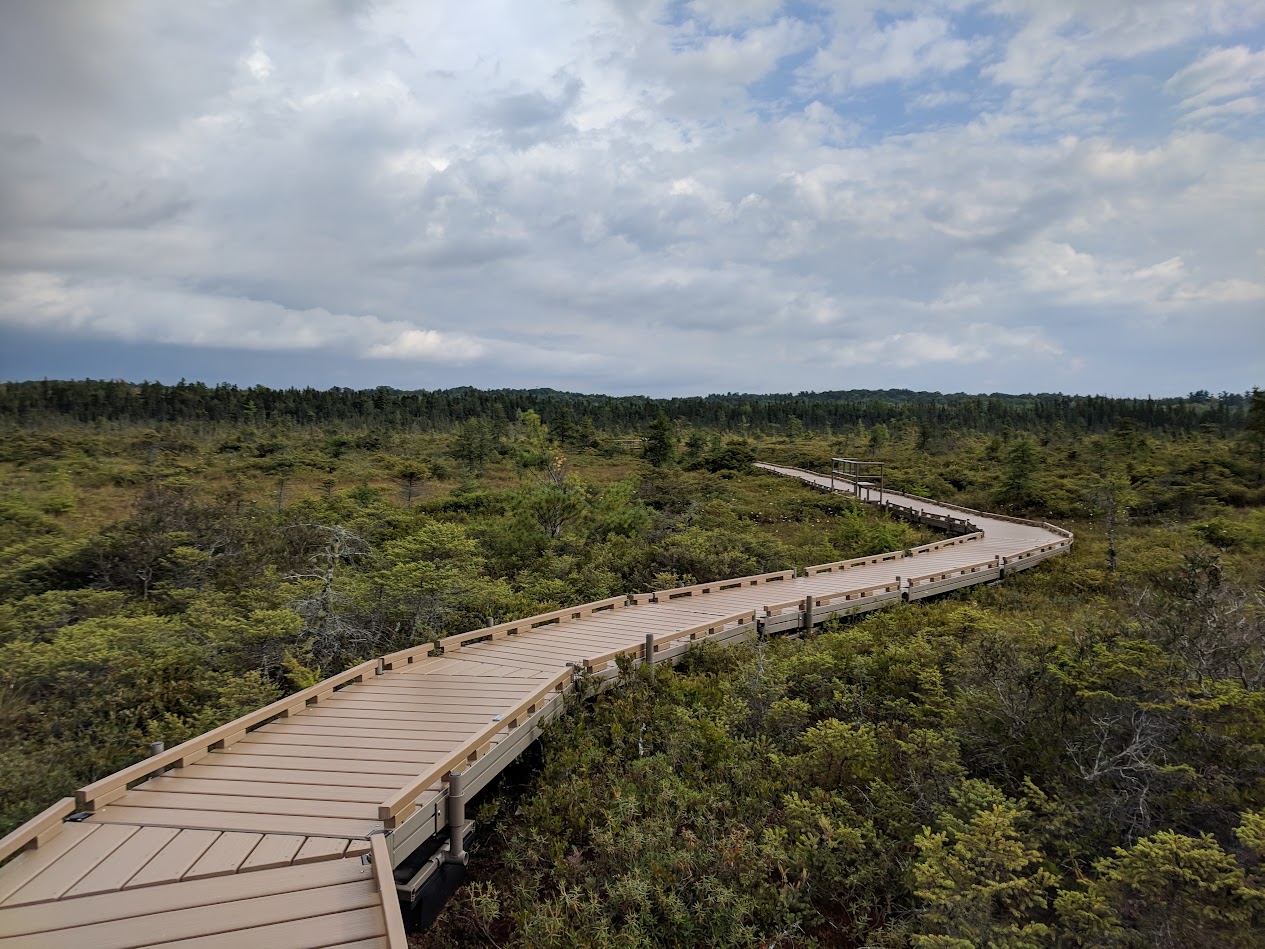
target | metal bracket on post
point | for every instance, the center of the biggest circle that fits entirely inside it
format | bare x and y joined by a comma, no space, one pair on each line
456,821
650,648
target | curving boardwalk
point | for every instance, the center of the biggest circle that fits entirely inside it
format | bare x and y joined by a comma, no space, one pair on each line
302,824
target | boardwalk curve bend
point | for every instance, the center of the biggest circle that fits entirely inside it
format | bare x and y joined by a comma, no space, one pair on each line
305,823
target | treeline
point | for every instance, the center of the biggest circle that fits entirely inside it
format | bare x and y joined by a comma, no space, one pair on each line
53,403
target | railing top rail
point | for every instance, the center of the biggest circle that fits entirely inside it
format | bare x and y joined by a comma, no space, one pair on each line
854,562
107,788
38,829
708,628
949,542
953,571
526,624
1052,545
669,594
822,599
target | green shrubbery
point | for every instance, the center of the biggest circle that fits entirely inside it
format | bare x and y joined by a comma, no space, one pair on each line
1020,767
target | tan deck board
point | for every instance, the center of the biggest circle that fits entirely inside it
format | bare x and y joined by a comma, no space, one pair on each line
123,814
366,735
328,778
316,739
60,876
174,860
275,850
318,931
453,716
415,709
580,632
320,848
118,868
244,788
240,919
472,667
408,691
299,754
298,807
542,652
410,677
224,856
43,917
27,865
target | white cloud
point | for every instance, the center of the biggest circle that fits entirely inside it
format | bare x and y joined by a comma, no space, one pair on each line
1220,83
970,345
939,98
732,14
425,345
117,310
902,51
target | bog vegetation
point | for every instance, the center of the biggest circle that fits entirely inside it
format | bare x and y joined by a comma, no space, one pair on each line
1074,757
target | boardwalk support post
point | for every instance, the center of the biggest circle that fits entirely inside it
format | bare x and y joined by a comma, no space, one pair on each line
808,614
456,821
650,648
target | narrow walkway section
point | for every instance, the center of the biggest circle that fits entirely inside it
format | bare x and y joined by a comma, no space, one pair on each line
285,827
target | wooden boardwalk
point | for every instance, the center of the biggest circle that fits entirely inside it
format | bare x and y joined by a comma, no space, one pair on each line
285,827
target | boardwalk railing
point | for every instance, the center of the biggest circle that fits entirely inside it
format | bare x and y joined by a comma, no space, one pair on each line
716,586
390,810
841,565
102,792
655,643
941,544
40,829
1029,558
514,627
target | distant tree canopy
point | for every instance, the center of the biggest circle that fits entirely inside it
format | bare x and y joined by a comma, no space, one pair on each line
54,403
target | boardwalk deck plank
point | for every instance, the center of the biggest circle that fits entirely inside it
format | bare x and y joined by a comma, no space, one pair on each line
362,778
131,903
123,814
114,872
275,850
61,875
175,860
224,856
26,866
263,789
196,923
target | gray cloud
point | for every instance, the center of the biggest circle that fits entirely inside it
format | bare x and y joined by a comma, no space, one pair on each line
603,196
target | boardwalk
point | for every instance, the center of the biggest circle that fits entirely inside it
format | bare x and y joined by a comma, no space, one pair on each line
286,827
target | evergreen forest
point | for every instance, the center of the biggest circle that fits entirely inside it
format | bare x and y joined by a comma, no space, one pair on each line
1075,757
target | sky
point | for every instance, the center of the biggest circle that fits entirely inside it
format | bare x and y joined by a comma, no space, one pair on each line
667,198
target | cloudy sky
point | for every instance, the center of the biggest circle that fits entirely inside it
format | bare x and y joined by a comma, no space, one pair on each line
625,196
